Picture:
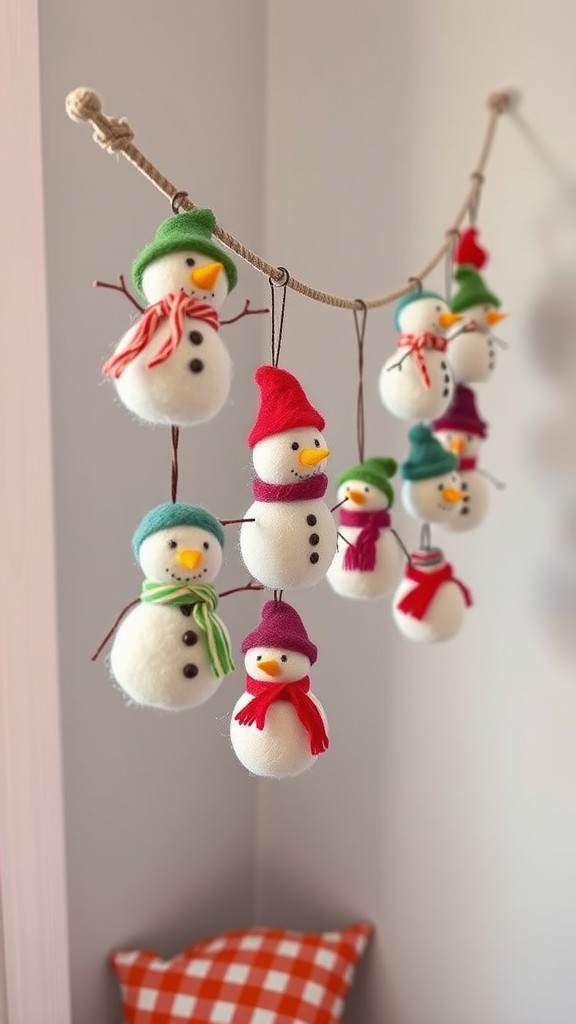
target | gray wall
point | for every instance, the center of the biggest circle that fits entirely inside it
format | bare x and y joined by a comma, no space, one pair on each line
160,821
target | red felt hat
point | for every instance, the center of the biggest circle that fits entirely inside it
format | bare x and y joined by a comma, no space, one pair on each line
281,626
469,251
462,414
283,405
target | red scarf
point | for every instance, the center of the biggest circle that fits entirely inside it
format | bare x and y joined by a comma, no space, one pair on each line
296,693
417,343
362,554
173,307
418,600
466,465
313,487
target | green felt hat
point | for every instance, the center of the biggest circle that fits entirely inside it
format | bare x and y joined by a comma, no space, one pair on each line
176,513
374,471
472,290
191,231
411,297
427,457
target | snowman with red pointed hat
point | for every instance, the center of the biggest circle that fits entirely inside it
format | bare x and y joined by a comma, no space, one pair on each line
461,430
472,351
288,537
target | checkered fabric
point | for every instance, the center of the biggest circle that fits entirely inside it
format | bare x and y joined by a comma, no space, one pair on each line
256,976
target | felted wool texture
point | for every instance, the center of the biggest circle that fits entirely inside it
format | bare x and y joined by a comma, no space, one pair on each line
402,389
469,251
284,405
176,513
276,461
472,290
188,388
191,230
442,621
374,471
281,627
173,273
475,505
282,748
472,354
408,299
151,648
424,500
290,545
427,458
366,586
462,415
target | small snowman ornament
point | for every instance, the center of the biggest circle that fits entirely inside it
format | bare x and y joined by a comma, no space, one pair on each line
461,431
172,651
472,349
429,605
278,727
416,383
288,537
172,367
432,489
367,564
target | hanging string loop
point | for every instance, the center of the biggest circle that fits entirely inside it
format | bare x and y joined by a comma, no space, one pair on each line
177,200
276,330
360,317
452,236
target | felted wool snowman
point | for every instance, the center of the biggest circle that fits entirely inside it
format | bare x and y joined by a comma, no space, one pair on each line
430,602
461,431
432,490
291,538
172,367
278,727
416,383
368,562
172,651
472,349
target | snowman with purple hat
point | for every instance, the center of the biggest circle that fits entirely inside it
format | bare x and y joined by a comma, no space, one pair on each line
461,431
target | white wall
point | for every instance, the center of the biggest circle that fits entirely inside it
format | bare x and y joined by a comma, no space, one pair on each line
160,821
445,809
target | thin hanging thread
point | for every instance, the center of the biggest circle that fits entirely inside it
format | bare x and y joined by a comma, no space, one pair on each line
425,537
277,331
360,317
453,236
116,136
175,433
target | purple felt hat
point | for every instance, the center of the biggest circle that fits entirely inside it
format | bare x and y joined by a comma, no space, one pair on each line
462,414
281,626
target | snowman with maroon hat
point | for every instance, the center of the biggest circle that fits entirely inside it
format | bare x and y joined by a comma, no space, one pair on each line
278,727
288,536
462,431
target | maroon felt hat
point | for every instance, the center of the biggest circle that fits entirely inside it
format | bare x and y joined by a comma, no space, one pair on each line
283,405
462,414
281,626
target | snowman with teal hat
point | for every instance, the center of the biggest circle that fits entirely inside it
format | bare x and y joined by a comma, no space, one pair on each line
472,349
416,383
368,562
172,651
172,367
432,489
461,431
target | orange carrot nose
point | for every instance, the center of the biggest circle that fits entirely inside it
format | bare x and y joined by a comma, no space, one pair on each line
494,316
206,277
189,558
449,319
457,445
270,667
452,495
358,497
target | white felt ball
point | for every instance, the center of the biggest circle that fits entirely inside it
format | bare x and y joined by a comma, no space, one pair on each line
189,387
472,352
290,544
475,504
181,554
191,272
402,389
366,586
443,618
290,456
434,500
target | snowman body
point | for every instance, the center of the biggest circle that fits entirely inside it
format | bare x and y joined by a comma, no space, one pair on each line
442,620
417,381
472,349
364,584
473,508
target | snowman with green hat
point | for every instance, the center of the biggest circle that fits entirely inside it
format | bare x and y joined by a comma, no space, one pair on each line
171,367
471,350
416,383
172,650
367,564
432,489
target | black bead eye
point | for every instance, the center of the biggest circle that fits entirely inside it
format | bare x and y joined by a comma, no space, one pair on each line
283,658
440,487
190,262
258,657
366,490
172,544
316,442
294,446
205,545
438,309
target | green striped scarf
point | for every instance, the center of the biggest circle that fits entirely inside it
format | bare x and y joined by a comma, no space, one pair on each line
204,601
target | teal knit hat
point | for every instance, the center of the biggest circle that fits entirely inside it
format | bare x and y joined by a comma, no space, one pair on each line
427,457
191,231
472,290
375,471
413,296
175,514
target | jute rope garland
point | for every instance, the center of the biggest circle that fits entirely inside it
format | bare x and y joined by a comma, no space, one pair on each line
115,135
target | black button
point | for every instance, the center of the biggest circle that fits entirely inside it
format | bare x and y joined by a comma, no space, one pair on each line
314,539
464,511
196,365
311,520
190,670
464,486
446,392
444,365
190,638
196,337
314,557
186,609
447,378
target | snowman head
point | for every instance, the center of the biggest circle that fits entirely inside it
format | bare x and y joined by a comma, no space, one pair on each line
461,429
279,649
179,543
366,487
424,312
287,442
461,444
291,456
276,665
435,499
183,257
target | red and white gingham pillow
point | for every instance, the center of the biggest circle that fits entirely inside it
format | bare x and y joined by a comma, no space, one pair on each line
256,976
